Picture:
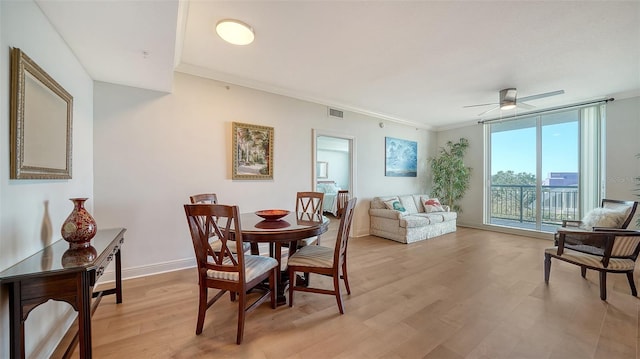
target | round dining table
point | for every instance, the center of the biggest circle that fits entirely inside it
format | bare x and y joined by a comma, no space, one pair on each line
285,231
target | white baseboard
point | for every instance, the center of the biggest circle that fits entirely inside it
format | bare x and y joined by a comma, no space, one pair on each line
143,271
508,230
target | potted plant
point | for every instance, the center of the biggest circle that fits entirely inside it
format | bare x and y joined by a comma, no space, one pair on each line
450,175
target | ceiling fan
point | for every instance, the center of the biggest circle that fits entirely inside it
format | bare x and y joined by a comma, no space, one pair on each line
508,100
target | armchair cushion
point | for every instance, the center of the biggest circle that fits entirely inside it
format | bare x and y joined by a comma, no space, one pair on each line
603,217
592,261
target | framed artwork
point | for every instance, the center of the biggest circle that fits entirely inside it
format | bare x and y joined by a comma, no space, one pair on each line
252,152
401,157
40,117
322,169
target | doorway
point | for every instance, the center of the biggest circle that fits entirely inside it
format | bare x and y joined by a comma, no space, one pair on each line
333,163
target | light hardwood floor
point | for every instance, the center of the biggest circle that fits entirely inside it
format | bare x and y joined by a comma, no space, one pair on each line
468,294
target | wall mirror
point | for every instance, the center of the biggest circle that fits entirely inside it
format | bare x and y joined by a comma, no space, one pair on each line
40,122
322,169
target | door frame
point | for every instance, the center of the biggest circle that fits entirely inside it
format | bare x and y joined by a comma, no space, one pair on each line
352,157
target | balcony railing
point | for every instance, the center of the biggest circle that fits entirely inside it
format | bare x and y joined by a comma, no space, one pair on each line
517,203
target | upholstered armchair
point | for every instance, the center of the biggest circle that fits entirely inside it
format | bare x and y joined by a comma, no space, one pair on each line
601,250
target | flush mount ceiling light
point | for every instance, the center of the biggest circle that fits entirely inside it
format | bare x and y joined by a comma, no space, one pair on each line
235,32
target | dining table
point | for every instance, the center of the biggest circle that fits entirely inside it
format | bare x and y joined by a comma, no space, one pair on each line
279,233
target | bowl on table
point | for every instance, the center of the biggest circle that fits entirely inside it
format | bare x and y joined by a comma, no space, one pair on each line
272,214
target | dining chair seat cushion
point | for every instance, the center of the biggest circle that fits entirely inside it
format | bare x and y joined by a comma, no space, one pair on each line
590,260
253,266
216,245
312,256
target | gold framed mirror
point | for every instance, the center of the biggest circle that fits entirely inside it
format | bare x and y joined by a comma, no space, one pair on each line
40,122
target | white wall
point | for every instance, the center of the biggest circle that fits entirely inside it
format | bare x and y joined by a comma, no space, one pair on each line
471,203
621,164
337,166
24,26
153,150
622,139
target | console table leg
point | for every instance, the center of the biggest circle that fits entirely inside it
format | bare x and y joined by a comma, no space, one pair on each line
84,316
16,324
118,277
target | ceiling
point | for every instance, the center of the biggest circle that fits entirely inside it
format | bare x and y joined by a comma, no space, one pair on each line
413,62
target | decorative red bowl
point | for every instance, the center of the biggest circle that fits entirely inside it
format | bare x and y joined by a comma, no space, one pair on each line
272,214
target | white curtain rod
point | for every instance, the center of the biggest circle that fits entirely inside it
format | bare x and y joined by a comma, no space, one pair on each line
516,116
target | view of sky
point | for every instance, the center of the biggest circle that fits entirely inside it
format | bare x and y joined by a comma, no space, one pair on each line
515,149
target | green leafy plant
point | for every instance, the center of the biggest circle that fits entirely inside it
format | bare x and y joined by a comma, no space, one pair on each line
450,175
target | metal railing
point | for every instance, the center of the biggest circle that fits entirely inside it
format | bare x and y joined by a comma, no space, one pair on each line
518,203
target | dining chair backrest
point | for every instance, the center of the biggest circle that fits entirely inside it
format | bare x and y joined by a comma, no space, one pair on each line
309,202
342,238
223,222
342,198
208,198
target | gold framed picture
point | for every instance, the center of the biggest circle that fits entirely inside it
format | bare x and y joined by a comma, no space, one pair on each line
40,122
252,152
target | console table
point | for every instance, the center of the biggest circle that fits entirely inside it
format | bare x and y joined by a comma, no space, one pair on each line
58,273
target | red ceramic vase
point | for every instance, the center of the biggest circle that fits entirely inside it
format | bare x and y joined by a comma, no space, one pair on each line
79,227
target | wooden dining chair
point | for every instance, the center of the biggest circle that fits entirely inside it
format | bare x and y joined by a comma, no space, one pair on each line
342,198
212,198
309,203
235,272
325,261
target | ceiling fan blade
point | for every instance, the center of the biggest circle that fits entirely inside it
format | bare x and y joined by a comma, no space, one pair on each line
541,95
483,104
489,110
525,105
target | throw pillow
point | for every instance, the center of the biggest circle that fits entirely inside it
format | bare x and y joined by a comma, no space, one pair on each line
395,205
432,205
603,217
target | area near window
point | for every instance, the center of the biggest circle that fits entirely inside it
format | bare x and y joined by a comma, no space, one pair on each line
544,168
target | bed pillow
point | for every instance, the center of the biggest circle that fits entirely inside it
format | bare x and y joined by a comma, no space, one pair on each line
432,205
395,205
603,217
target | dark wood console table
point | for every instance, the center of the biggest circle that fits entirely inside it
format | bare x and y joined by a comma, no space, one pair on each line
66,275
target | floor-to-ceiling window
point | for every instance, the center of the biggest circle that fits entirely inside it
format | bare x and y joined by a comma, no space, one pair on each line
543,168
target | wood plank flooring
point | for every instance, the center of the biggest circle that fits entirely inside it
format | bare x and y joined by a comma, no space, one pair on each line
469,294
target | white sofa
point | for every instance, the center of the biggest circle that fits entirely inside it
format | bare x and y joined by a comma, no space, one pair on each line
411,226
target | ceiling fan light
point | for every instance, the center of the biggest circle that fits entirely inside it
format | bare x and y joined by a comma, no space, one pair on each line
235,32
508,105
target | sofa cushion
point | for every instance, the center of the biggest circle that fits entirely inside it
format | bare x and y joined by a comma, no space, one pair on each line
432,205
412,221
409,204
395,205
378,202
437,217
